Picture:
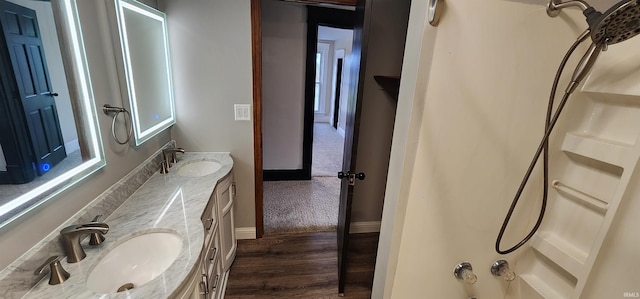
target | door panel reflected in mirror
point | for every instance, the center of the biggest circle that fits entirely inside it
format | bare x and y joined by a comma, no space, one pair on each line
49,137
145,69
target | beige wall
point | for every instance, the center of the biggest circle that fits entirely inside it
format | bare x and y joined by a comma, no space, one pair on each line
211,59
415,78
284,49
25,232
483,113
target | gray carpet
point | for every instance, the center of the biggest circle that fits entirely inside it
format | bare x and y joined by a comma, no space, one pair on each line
308,206
328,146
301,206
10,192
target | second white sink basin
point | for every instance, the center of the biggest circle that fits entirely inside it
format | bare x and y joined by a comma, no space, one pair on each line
135,262
199,168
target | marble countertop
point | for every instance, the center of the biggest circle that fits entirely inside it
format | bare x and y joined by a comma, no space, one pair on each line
164,203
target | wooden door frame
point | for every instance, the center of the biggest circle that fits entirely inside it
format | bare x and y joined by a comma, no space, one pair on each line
336,90
256,53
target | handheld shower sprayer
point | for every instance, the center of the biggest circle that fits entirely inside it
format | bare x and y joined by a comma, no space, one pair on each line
617,24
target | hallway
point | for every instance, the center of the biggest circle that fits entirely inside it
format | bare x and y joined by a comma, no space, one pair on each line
308,206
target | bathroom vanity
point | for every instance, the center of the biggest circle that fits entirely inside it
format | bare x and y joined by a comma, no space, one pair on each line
208,280
173,238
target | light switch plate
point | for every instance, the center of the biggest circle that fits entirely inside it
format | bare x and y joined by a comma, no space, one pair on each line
242,111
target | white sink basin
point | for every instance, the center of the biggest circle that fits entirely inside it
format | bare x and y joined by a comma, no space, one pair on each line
136,261
199,168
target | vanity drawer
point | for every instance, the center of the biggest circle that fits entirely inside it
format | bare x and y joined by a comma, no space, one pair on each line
215,276
212,267
210,219
212,254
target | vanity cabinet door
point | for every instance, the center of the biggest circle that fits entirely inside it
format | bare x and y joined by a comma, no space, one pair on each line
218,289
225,194
211,265
210,219
194,286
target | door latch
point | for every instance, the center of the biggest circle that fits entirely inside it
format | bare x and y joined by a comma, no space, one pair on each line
351,176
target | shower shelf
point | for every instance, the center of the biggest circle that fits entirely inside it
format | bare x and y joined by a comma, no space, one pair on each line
603,150
561,253
591,201
391,84
540,287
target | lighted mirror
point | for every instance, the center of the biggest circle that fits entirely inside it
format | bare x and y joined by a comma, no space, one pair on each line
49,137
145,69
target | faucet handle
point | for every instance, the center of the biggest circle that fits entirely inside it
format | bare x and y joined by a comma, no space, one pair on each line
163,167
96,238
501,268
174,155
170,155
58,274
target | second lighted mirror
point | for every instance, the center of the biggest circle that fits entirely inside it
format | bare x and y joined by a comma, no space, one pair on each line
145,69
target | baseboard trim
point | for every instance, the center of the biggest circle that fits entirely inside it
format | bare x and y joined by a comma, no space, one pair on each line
72,146
286,175
245,233
364,227
341,132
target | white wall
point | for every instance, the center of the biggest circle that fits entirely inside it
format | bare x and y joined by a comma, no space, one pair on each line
324,116
284,40
210,45
341,39
346,44
25,232
483,114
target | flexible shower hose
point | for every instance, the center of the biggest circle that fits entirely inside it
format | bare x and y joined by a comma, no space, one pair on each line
550,122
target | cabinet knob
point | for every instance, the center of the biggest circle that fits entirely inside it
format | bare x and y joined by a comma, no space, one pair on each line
209,223
215,283
204,285
213,255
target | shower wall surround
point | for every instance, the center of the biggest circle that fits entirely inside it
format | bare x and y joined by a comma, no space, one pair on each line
477,136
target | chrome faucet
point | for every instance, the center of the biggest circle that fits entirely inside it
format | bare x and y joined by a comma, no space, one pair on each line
71,236
169,158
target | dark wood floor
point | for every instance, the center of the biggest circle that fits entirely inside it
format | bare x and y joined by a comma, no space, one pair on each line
301,266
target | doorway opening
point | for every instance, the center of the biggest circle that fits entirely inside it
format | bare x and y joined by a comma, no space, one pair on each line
39,140
384,55
302,155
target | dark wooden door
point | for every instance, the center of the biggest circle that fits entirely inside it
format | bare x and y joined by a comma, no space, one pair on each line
345,19
24,44
352,128
336,103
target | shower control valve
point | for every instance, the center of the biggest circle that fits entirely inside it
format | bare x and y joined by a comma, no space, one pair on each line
464,272
501,268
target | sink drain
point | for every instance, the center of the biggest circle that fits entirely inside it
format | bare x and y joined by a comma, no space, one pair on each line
125,287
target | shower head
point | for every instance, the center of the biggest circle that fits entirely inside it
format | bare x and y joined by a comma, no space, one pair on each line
617,24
